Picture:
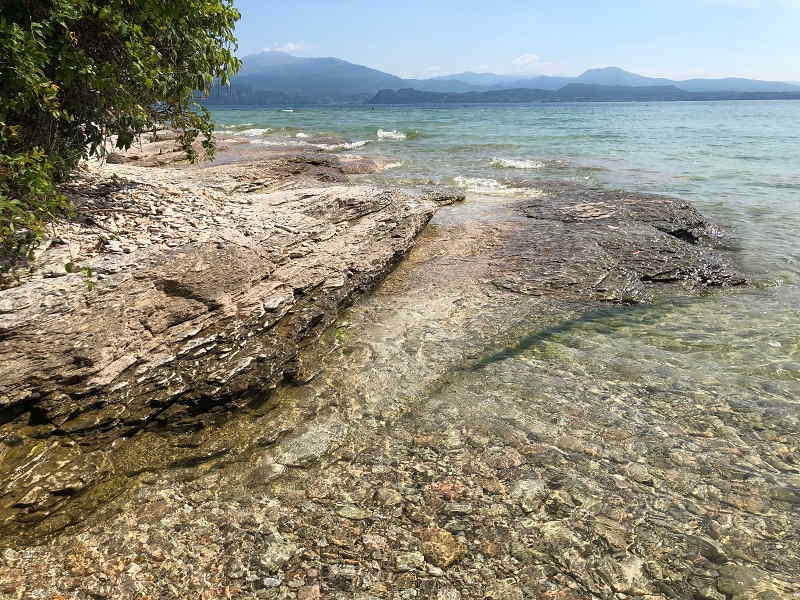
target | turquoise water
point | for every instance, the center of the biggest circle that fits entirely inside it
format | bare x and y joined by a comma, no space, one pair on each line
738,162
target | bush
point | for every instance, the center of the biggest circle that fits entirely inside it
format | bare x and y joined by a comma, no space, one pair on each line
75,72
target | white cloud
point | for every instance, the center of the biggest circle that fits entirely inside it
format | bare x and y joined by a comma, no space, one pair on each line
288,47
526,60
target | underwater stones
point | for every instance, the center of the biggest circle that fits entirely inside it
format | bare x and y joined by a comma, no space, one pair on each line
441,548
503,590
529,493
220,319
278,552
311,444
388,497
409,561
353,513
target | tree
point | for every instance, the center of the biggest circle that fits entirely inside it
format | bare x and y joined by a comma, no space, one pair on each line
73,73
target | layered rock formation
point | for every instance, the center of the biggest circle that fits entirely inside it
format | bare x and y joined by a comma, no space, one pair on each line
166,331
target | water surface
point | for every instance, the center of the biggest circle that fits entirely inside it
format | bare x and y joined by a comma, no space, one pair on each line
738,162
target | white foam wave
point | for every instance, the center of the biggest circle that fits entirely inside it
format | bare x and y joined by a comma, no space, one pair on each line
255,132
490,187
393,165
287,110
302,135
510,163
283,142
391,135
343,146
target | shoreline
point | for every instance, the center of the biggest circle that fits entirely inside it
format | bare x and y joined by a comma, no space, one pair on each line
338,492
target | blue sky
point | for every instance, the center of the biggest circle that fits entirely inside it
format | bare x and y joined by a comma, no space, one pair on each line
425,38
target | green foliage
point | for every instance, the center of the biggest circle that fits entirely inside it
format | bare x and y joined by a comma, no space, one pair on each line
75,72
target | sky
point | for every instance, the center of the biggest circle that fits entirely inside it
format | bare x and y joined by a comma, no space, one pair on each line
679,39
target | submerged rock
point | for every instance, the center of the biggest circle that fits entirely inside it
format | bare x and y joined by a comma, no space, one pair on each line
179,334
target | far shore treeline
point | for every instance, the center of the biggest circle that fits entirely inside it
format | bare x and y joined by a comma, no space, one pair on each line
74,73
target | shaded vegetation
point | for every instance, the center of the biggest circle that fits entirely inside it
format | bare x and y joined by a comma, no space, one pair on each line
76,73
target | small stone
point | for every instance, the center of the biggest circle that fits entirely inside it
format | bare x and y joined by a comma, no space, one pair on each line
504,458
388,497
502,590
348,511
375,542
639,473
448,594
529,493
271,582
441,548
309,592
459,508
408,561
277,554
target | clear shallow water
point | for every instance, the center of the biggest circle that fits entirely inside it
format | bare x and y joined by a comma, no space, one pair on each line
738,162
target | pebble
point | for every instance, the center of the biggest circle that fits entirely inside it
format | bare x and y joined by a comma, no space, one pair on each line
408,561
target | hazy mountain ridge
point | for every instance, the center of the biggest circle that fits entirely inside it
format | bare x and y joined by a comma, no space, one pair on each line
573,92
277,78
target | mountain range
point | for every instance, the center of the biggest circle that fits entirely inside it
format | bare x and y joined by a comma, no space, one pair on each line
277,78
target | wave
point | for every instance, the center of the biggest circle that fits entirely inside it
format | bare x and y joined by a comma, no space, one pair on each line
254,132
490,187
342,146
287,110
281,142
510,163
393,165
302,135
391,135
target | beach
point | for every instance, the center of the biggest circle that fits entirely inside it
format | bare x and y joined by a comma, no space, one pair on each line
485,383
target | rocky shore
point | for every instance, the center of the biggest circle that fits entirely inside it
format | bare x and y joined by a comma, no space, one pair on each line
212,421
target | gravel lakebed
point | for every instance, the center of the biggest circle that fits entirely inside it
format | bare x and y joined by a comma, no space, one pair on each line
435,440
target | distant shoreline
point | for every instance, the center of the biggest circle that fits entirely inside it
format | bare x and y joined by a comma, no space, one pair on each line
483,102
572,93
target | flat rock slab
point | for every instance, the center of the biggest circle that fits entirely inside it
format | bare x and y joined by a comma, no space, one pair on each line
184,329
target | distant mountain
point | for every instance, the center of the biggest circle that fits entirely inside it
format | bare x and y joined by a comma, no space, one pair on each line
311,77
411,96
617,76
280,78
541,82
442,85
479,79
573,92
277,78
736,84
600,93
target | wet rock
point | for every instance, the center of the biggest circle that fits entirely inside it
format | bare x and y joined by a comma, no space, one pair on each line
448,593
639,473
277,553
503,590
445,196
211,324
409,561
309,592
388,497
530,493
348,511
441,548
